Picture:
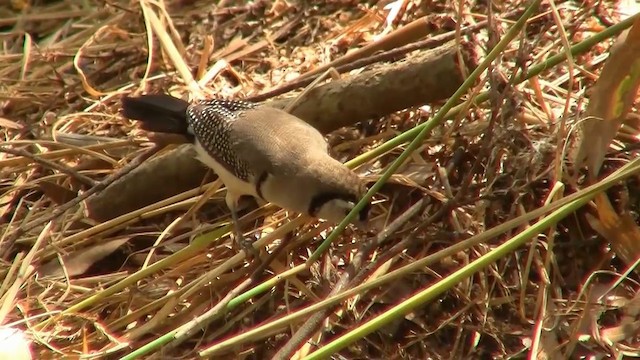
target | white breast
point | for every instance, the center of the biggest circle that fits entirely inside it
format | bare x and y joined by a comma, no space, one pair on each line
234,185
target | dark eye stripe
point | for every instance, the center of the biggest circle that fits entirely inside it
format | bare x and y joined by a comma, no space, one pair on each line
364,213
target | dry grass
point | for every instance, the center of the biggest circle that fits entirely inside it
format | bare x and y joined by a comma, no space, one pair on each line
64,65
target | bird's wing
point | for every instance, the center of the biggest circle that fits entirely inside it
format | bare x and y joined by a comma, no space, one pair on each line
211,122
273,141
230,105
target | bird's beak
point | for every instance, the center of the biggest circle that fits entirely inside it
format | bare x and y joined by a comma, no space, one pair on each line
363,225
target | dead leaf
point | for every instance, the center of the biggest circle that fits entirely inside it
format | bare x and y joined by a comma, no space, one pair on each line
602,298
9,198
10,124
620,230
57,193
77,263
611,99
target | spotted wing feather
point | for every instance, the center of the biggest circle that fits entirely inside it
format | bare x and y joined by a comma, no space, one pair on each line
211,123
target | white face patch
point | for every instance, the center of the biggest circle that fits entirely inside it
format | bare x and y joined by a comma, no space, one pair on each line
335,210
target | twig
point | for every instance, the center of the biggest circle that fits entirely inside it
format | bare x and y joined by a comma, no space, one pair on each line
385,56
187,330
47,163
98,187
346,281
262,265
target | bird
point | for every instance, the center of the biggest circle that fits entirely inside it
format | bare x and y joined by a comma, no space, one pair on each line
257,150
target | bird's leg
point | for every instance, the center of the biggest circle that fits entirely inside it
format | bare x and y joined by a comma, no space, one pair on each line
244,243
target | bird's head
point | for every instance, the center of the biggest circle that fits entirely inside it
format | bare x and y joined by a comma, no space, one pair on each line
334,205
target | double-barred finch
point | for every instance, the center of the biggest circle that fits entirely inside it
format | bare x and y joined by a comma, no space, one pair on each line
259,151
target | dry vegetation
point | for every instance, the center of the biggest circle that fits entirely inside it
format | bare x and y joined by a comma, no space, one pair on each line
136,277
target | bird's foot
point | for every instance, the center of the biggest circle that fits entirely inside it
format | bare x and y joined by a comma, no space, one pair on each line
246,244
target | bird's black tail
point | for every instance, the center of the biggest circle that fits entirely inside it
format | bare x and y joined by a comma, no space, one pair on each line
158,113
